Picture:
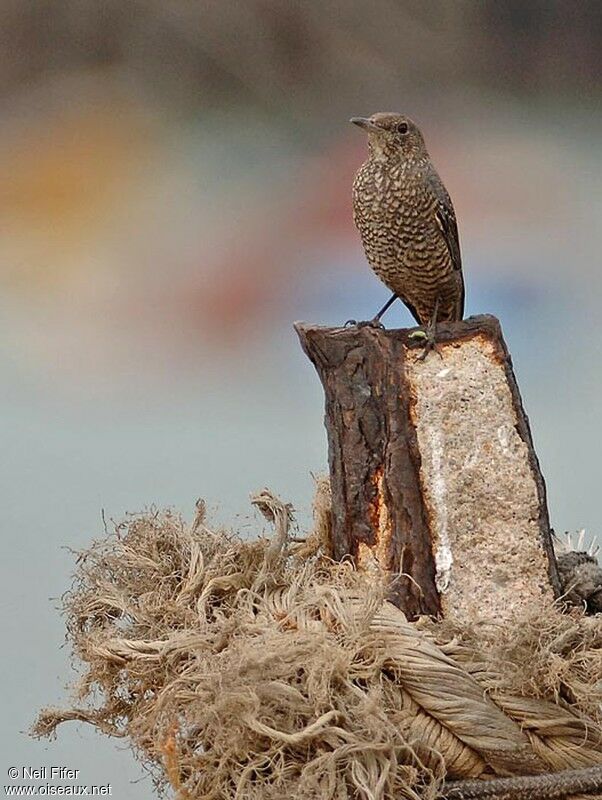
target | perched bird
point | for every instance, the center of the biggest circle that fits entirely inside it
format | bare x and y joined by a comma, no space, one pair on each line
407,222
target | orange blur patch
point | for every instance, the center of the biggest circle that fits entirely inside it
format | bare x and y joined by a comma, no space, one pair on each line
67,165
377,502
377,556
62,178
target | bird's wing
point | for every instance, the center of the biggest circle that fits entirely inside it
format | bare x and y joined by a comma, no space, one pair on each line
446,221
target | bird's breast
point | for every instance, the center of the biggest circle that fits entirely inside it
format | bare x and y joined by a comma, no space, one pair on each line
385,198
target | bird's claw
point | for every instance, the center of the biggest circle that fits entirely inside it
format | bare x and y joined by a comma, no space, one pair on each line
429,345
373,323
428,342
369,323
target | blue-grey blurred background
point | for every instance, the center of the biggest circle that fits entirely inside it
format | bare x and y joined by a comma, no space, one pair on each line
175,191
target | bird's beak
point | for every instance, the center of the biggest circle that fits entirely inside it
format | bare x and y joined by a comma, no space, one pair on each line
365,123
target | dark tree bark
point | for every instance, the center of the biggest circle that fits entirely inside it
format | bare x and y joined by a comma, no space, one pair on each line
380,516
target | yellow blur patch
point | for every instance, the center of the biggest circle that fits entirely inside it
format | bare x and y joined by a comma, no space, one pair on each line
60,183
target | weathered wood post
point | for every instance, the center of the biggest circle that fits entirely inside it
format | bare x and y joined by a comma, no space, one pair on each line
433,472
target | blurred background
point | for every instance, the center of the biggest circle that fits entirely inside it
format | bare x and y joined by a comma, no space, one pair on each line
175,190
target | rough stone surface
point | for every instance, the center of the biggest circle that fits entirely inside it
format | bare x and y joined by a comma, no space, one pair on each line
478,482
435,482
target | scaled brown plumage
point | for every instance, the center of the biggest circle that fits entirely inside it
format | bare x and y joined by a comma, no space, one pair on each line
407,222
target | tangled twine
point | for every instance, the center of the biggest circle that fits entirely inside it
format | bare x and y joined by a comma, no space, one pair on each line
262,669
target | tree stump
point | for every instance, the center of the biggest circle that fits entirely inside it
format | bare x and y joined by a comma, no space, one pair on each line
435,481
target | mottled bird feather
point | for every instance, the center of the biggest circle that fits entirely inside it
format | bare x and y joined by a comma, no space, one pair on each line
406,220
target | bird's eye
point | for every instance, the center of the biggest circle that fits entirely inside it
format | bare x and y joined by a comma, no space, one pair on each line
402,127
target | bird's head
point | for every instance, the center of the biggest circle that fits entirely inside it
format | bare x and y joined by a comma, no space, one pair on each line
392,135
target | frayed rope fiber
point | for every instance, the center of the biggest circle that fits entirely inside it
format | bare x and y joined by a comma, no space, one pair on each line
262,669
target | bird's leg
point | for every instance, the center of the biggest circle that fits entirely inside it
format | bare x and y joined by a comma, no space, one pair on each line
386,307
429,336
375,321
